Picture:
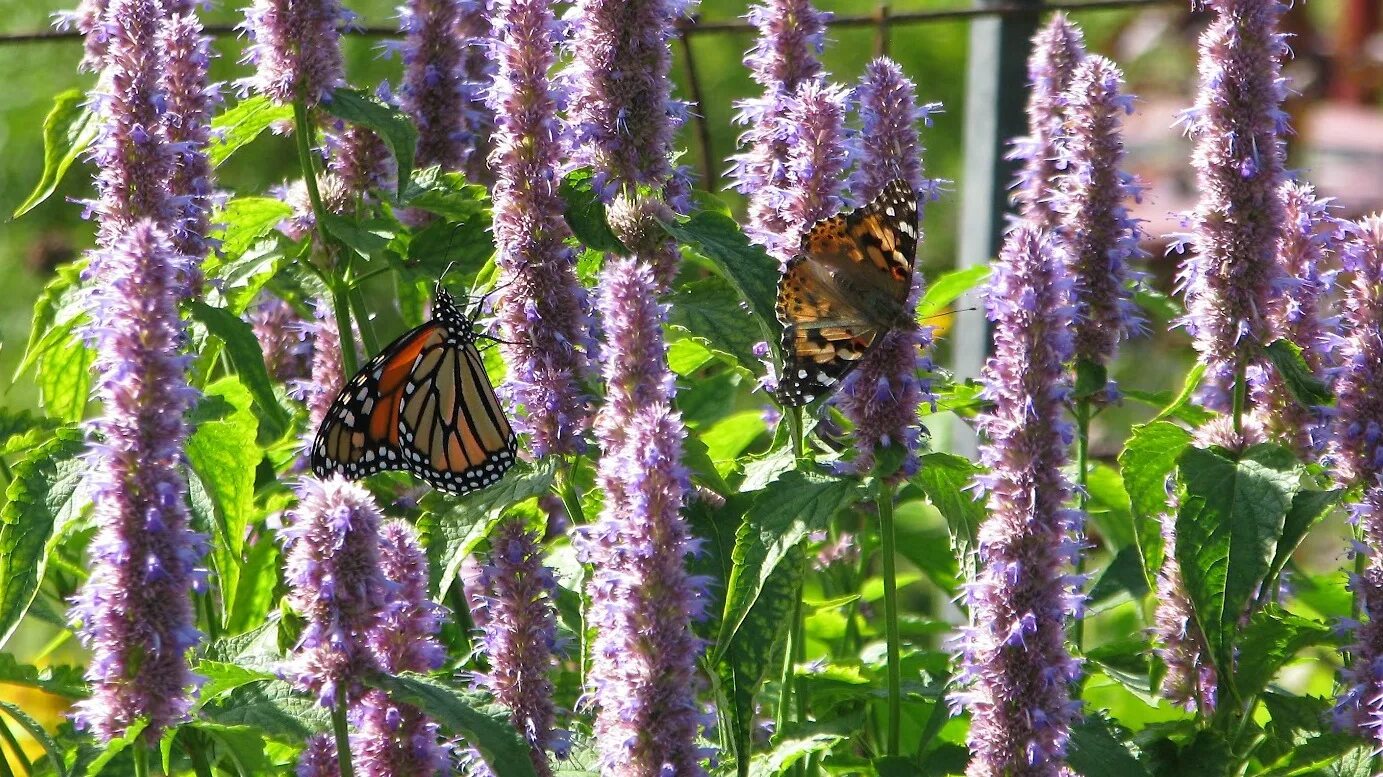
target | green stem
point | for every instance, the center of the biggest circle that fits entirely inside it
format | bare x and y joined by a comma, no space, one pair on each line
1241,391
566,491
799,656
338,284
192,744
343,737
799,447
1083,498
893,743
141,760
362,320
786,679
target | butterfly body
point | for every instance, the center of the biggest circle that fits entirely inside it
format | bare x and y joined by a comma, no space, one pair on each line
844,291
423,405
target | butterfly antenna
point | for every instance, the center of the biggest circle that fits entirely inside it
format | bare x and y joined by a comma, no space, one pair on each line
950,312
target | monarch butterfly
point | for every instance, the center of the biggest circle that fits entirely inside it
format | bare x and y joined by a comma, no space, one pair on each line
424,405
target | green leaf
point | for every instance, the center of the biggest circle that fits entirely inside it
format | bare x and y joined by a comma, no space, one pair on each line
729,437
1092,378
242,745
792,749
1124,573
1169,406
40,497
454,526
1309,390
224,456
254,596
484,725
272,707
366,237
1308,508
1098,749
944,478
245,220
1231,517
57,311
459,249
752,273
39,734
448,195
781,516
59,680
1273,638
710,311
1158,305
242,123
222,678
245,353
1145,464
948,288
64,378
1181,404
21,430
389,123
68,130
585,213
237,284
115,747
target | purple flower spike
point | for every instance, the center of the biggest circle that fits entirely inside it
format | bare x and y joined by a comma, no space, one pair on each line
476,28
544,311
1356,454
813,126
1057,50
135,612
89,20
1014,657
433,80
1310,236
1094,222
333,570
642,678
1236,124
318,758
187,127
360,162
390,738
785,56
1191,682
520,634
327,373
882,396
282,337
135,160
295,46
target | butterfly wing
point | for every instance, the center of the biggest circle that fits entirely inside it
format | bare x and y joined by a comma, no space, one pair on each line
359,435
847,288
453,431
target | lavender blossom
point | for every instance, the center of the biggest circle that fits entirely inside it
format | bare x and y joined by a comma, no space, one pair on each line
359,160
328,375
295,46
282,336
135,612
134,159
644,657
318,758
1057,50
882,395
333,570
1356,456
475,27
187,128
1015,663
544,312
1100,235
88,19
520,634
1310,235
1236,125
389,738
1190,682
813,126
433,80
784,57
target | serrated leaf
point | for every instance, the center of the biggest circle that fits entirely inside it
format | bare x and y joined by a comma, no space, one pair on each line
241,123
1097,749
1308,508
68,130
1181,403
1146,462
1273,638
245,220
59,680
64,378
41,495
57,311
780,517
21,430
710,310
454,526
254,596
272,707
115,747
484,725
751,271
224,456
389,123
792,749
459,249
585,213
945,478
727,438
1227,529
1296,374
38,733
366,237
1168,406
448,195
949,287
238,283
245,353
220,678
243,745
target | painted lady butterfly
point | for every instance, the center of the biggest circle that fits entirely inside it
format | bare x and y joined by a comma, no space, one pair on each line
846,289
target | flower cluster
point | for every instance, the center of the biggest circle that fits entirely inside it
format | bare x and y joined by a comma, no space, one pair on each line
295,48
1237,124
1015,663
1310,236
135,611
1356,456
433,80
882,395
544,311
187,129
520,634
644,657
1058,49
1101,237
283,337
475,26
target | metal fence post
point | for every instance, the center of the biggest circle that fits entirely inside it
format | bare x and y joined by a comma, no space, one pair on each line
995,94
